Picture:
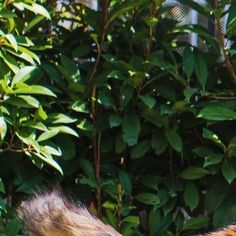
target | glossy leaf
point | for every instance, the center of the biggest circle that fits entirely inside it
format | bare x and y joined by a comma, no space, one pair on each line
33,89
65,130
23,74
196,223
148,101
212,159
228,172
174,139
49,161
3,127
192,173
140,149
131,129
217,113
201,68
188,61
215,195
126,182
115,120
148,198
191,196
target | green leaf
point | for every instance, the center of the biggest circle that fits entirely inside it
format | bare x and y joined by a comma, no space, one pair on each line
49,161
216,113
2,189
85,125
151,181
52,150
207,134
120,144
36,125
174,139
126,94
201,68
131,129
26,101
148,101
65,130
201,151
10,61
123,10
28,139
188,61
148,198
231,19
126,182
5,13
33,89
159,143
196,223
132,219
81,51
191,195
140,149
13,227
200,8
89,182
80,107
192,173
156,59
3,127
34,7
71,68
33,23
47,135
26,55
232,147
224,214
87,168
23,74
154,220
155,118
40,114
115,120
215,195
57,118
228,171
12,41
188,93
212,159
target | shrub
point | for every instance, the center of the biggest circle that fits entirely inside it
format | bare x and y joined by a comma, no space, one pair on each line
155,115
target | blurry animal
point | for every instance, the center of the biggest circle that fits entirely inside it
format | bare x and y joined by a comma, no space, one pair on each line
52,214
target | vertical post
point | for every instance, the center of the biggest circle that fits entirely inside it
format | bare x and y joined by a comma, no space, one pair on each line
193,15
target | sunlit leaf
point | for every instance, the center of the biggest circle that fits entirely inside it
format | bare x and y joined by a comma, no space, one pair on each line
3,127
23,74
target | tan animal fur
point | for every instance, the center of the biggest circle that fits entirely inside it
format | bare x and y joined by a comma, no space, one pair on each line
51,214
228,231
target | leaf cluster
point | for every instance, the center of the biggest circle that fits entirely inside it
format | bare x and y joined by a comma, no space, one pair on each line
154,114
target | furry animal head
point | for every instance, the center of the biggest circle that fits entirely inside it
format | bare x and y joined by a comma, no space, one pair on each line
51,214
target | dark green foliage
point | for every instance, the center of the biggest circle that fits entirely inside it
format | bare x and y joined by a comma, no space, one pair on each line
140,122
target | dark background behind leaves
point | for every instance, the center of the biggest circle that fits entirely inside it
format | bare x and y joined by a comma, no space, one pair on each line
140,122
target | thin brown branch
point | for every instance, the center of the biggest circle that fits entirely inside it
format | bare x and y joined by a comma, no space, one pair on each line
221,40
104,6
